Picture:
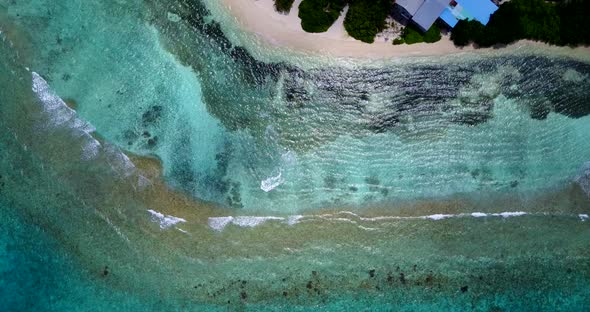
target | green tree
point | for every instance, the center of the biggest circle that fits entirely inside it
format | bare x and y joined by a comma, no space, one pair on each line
574,16
557,22
366,18
433,34
283,6
318,15
411,35
466,32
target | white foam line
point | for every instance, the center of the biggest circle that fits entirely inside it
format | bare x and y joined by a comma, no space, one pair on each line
439,216
60,114
165,221
118,161
292,220
271,183
434,217
509,214
367,228
246,221
339,219
219,223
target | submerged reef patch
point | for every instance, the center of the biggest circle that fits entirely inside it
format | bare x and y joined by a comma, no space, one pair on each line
380,99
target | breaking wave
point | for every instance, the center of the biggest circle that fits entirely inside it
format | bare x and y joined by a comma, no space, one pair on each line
58,117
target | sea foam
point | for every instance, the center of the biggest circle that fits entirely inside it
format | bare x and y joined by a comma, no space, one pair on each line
165,221
271,183
219,223
60,115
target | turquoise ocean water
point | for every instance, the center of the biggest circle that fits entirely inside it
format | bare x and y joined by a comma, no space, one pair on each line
441,183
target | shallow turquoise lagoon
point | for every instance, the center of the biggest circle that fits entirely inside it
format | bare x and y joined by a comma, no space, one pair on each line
288,181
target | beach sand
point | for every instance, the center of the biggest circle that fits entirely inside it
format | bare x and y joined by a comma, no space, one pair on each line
260,18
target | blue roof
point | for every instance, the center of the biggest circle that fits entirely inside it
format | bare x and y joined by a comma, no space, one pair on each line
429,12
479,9
411,6
449,18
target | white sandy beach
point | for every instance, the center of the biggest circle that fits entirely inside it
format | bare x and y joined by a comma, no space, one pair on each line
260,18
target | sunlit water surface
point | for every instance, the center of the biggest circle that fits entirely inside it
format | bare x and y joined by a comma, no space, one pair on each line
282,180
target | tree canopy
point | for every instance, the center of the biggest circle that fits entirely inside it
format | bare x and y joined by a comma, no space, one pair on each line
411,34
559,23
319,15
366,18
283,6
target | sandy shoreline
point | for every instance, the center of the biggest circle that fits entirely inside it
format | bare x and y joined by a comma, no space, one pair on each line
259,17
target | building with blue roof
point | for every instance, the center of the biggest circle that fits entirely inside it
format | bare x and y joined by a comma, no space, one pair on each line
425,12
479,10
448,17
429,12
